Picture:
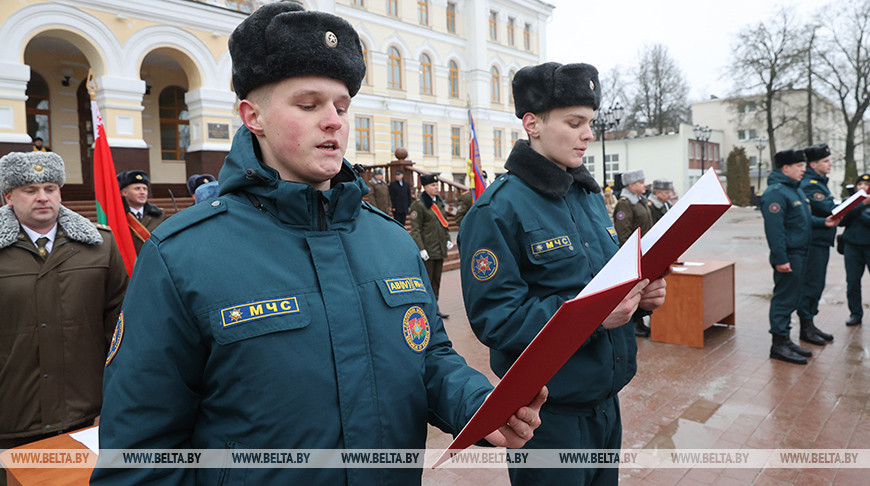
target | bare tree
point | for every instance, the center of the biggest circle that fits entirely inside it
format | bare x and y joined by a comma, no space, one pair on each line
843,67
767,60
660,94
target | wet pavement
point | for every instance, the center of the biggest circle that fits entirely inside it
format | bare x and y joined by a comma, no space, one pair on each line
728,394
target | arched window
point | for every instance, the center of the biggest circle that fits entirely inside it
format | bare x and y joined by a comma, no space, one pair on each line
38,111
394,73
174,124
453,79
425,74
495,86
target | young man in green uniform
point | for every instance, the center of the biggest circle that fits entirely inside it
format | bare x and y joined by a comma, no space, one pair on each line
533,240
786,213
281,333
429,231
856,251
815,186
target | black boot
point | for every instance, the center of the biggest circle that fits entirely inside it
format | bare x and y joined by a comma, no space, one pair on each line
808,333
819,333
853,321
781,350
806,353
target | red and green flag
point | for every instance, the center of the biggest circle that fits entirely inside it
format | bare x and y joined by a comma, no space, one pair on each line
110,209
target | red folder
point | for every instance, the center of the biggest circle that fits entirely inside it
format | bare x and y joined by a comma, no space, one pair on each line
847,205
577,319
564,333
682,225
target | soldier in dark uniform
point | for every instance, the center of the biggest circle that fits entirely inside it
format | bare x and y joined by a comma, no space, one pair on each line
631,211
379,191
400,196
62,281
512,284
429,230
856,251
786,213
815,187
660,200
143,216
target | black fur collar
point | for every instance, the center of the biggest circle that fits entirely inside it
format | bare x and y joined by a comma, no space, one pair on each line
544,176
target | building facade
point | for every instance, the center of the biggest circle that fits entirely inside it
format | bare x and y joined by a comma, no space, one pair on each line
675,156
742,121
163,80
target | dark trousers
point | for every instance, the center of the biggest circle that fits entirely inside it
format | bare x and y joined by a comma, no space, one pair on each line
814,283
599,427
856,257
786,293
433,268
400,217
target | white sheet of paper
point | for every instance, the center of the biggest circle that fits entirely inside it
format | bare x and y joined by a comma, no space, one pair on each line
90,438
693,264
622,266
708,190
844,204
679,269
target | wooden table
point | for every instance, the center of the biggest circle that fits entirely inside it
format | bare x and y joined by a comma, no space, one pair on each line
698,297
54,476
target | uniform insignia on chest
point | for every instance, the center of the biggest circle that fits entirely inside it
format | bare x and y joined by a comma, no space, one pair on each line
551,244
818,196
116,339
620,215
612,231
774,208
402,285
796,203
415,328
484,265
252,311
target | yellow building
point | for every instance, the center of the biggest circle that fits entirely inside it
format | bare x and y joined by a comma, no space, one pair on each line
164,89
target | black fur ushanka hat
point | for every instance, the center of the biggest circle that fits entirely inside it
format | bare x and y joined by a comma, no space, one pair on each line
553,85
282,40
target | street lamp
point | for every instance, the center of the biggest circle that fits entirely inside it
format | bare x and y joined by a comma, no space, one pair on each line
702,134
760,144
606,120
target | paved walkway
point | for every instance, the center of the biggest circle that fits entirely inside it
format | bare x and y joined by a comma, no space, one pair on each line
728,395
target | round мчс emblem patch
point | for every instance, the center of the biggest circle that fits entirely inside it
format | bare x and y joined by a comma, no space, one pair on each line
415,327
620,215
484,264
774,208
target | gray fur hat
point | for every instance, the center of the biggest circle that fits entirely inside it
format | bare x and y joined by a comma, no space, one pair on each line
22,168
632,176
662,185
281,40
541,88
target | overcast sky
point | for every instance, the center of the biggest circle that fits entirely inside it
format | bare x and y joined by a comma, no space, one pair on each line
699,34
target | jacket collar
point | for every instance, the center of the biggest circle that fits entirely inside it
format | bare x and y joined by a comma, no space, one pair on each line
293,203
812,174
777,177
632,197
544,176
75,227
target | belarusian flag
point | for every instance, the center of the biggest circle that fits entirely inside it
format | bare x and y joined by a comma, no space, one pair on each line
110,209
